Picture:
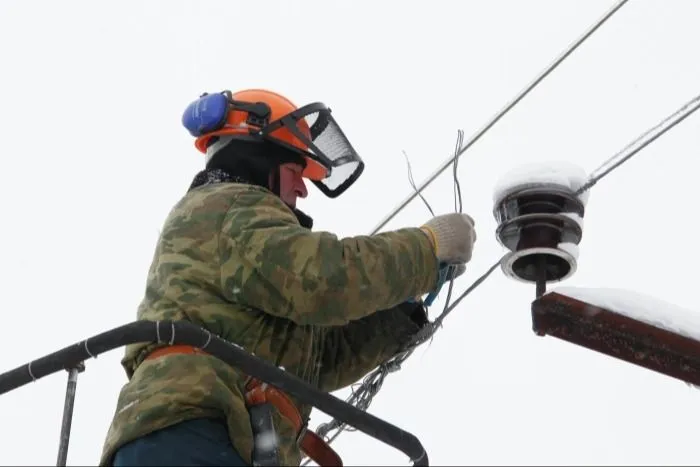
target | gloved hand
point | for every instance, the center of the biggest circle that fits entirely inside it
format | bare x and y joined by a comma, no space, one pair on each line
452,236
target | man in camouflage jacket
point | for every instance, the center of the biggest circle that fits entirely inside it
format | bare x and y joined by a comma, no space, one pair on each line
237,258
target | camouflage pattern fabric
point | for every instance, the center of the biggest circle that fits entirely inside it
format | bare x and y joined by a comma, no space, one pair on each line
232,258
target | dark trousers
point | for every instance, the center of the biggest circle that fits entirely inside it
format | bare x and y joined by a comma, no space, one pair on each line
193,442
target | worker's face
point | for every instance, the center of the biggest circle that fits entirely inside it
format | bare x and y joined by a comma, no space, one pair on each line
291,183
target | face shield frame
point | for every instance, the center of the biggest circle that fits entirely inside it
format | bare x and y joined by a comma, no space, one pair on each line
324,124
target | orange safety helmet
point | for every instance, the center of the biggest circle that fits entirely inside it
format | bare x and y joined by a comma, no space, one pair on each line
237,125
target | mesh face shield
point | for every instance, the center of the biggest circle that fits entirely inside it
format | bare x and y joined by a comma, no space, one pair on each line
316,128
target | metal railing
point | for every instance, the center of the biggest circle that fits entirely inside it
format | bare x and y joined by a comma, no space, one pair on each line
71,358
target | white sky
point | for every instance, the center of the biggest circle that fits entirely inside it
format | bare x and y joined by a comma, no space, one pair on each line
94,157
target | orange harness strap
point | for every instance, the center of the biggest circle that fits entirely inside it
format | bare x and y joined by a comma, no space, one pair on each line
258,392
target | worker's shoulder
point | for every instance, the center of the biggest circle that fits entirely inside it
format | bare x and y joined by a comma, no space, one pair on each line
215,194
229,206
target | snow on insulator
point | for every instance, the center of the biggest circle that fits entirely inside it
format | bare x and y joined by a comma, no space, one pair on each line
540,219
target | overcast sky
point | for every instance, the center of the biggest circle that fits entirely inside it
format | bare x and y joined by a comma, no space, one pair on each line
94,157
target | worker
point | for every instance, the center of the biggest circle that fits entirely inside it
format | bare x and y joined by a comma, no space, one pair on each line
237,257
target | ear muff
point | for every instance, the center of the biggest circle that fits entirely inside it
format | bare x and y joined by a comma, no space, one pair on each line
210,113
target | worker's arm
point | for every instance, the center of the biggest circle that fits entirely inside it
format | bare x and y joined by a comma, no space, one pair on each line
353,350
270,262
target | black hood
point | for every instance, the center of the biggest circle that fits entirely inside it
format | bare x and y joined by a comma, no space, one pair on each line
251,162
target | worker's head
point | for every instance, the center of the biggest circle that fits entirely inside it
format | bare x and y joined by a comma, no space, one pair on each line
262,131
262,163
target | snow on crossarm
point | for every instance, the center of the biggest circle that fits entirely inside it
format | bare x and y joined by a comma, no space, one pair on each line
625,325
641,307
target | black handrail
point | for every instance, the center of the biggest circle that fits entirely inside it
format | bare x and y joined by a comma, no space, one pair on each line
183,332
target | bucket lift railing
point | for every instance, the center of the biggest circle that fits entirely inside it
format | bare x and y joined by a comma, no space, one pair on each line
72,359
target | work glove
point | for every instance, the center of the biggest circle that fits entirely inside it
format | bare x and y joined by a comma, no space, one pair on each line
452,236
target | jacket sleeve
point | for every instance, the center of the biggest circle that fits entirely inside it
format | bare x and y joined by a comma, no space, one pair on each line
352,351
271,263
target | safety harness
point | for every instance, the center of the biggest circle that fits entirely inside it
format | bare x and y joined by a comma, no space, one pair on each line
260,399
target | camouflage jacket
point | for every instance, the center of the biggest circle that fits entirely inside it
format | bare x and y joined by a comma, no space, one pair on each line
232,258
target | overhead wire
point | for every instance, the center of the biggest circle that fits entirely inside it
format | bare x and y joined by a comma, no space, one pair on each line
640,143
501,113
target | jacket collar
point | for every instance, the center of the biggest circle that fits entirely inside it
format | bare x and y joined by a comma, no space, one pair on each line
213,176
